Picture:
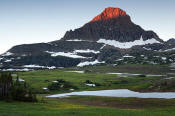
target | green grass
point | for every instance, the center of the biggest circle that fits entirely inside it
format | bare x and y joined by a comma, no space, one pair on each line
42,78
93,106
54,107
37,80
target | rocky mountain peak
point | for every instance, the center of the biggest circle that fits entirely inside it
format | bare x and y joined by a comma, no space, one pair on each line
109,13
111,24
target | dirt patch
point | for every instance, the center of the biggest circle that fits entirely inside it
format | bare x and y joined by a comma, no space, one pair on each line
122,103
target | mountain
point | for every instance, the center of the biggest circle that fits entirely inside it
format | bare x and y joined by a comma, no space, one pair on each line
111,37
111,24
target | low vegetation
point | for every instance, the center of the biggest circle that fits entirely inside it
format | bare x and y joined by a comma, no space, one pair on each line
46,82
13,89
60,85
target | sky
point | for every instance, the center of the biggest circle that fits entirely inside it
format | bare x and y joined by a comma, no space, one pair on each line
35,21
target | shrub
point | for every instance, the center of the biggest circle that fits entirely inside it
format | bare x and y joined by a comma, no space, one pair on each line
97,84
61,85
88,82
87,71
142,75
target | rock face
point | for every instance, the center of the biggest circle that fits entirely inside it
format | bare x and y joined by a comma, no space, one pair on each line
171,41
111,24
111,37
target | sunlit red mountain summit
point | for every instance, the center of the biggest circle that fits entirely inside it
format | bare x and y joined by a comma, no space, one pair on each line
109,13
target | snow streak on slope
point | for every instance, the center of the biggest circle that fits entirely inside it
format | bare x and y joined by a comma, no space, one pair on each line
169,50
37,66
89,63
73,54
66,54
7,54
127,45
87,51
78,40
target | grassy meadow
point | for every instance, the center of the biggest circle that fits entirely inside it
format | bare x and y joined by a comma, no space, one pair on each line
95,106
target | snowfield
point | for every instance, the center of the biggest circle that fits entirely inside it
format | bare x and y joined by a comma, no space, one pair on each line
127,45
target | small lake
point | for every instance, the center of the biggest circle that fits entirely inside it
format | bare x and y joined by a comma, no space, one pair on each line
118,93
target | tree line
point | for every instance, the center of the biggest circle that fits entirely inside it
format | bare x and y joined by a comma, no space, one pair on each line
13,89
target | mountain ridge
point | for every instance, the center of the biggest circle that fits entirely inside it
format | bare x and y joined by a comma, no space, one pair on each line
110,38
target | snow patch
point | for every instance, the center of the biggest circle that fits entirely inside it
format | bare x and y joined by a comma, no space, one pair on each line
89,63
164,58
87,51
127,56
72,54
44,88
103,46
119,60
8,60
169,50
55,81
77,40
90,85
68,54
147,48
33,66
76,71
18,70
7,54
127,45
37,66
21,80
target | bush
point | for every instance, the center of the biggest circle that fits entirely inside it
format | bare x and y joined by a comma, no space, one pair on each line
142,75
61,85
87,71
88,82
97,84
